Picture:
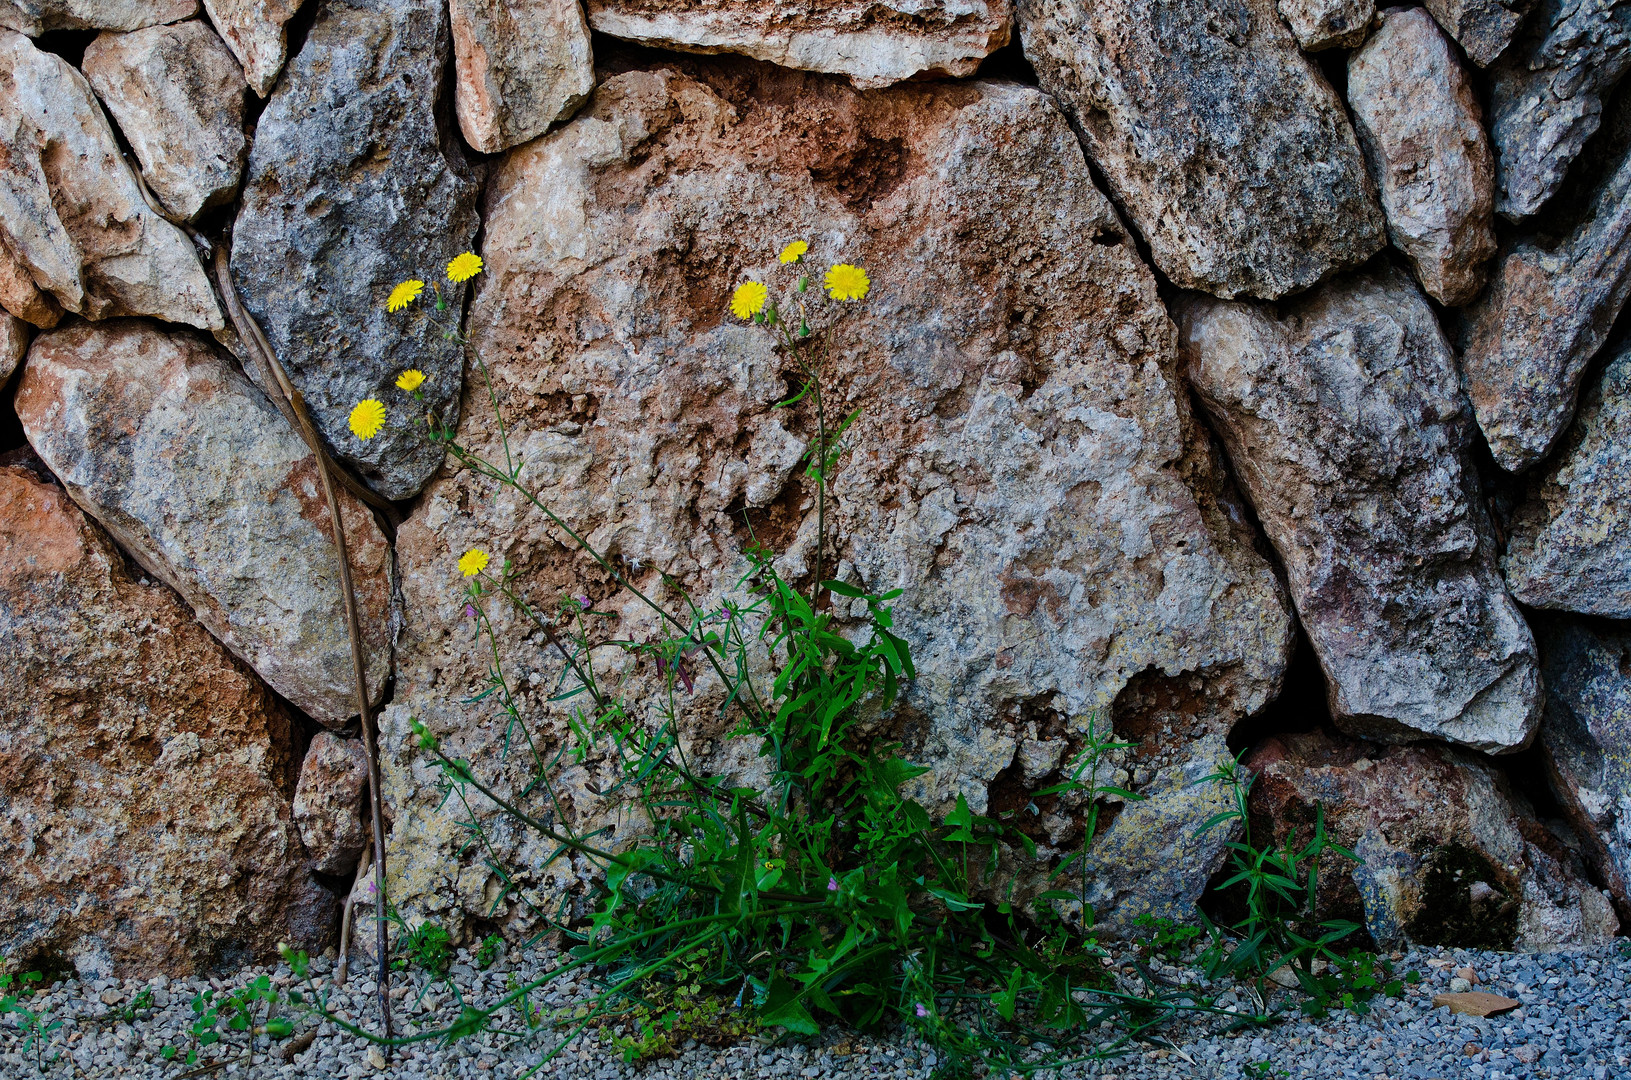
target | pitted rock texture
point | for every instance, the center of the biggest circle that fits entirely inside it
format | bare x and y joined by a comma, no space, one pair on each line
21,297
874,42
1418,121
1345,421
1549,307
70,210
35,17
1024,465
1586,738
1449,854
1546,95
328,802
1484,28
1223,142
178,96
199,478
1328,24
256,32
326,229
142,770
1570,544
520,67
13,344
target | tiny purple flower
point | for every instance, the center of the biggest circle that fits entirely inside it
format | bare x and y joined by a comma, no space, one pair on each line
470,611
922,1012
832,884
583,602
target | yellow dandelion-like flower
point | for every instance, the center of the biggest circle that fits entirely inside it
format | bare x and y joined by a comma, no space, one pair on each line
846,282
367,418
404,294
472,562
793,252
464,267
410,380
749,299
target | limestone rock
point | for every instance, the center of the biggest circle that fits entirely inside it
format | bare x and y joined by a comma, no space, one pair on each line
1483,28
255,32
874,43
1347,426
35,17
520,67
178,96
326,230
1586,739
21,297
1548,309
70,210
13,344
328,802
1418,121
1226,146
1328,24
1450,855
1570,547
142,769
200,479
1024,465
1546,95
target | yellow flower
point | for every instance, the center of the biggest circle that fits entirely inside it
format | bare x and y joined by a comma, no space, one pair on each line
404,294
464,267
749,299
846,282
472,562
793,252
410,380
367,418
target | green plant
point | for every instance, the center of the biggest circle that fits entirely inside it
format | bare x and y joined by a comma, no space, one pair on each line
1166,938
487,951
37,1030
426,946
251,1010
1265,1068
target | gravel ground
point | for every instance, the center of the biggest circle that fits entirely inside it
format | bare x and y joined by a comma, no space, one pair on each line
1575,1024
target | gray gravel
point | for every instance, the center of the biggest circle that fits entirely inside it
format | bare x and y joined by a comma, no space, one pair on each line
1575,1024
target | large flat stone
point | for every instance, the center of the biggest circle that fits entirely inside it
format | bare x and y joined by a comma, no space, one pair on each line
199,478
70,211
256,32
1226,146
520,67
35,17
142,770
329,802
1345,421
1024,466
349,192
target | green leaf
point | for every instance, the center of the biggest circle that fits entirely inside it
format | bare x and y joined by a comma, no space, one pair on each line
784,1007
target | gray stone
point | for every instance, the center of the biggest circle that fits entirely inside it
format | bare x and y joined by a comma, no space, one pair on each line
1548,309
35,17
1328,24
874,43
1570,545
13,344
178,96
328,802
1345,421
326,230
200,479
520,66
71,213
1418,121
21,297
1483,28
1546,95
255,31
1222,141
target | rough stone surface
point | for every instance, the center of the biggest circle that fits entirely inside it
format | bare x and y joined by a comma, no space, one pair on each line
1586,738
1227,147
255,32
1346,423
13,344
1549,307
1418,121
1483,28
1570,544
1450,855
70,210
874,43
328,802
520,67
1328,24
1546,95
35,17
142,771
21,297
200,479
178,96
325,230
1024,465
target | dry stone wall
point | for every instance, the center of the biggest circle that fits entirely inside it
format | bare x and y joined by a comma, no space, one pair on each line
1196,330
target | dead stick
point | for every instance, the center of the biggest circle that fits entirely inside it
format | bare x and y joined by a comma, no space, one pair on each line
345,921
